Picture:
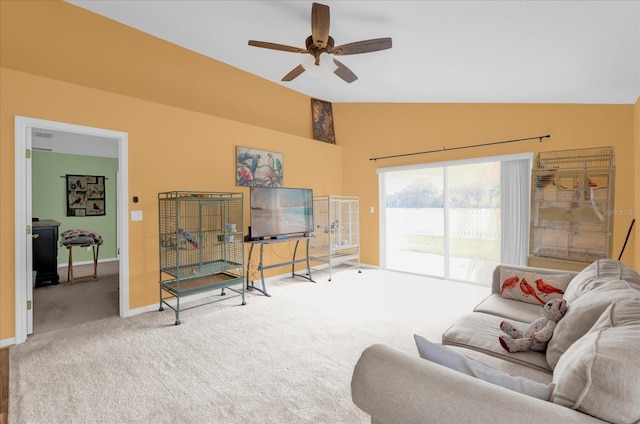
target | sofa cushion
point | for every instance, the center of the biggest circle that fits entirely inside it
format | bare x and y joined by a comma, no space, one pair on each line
532,287
505,366
480,332
583,313
597,274
457,361
599,373
510,309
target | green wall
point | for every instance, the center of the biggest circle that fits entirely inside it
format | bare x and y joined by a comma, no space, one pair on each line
49,198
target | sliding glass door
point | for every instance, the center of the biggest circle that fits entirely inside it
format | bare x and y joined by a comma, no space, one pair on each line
473,217
413,222
447,220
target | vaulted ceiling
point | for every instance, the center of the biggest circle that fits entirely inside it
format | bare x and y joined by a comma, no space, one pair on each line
443,51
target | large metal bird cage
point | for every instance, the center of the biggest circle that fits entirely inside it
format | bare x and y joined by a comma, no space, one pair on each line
337,231
572,205
201,247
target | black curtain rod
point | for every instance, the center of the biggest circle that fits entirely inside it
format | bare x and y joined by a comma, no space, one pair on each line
539,138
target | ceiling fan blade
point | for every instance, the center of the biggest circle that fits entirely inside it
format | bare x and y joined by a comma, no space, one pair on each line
320,24
294,73
274,46
365,46
343,72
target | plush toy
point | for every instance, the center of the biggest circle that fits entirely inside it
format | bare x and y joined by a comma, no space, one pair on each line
537,334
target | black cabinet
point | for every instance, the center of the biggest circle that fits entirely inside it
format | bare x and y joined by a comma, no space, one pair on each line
45,251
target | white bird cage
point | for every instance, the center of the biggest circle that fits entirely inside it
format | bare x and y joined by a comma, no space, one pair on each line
572,205
337,231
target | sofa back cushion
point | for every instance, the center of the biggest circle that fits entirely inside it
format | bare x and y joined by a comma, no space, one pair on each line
597,274
599,373
589,293
583,313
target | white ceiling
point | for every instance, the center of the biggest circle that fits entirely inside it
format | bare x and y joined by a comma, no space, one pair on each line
507,51
73,144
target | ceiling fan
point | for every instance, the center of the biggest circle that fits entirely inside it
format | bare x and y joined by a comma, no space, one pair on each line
321,42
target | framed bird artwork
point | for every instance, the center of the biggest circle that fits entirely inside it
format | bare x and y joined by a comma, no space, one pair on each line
85,195
322,117
259,168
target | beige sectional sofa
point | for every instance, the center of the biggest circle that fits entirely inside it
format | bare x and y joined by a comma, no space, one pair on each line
591,367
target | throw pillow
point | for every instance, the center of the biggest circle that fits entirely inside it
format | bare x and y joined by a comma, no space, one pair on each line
583,313
455,360
599,373
531,287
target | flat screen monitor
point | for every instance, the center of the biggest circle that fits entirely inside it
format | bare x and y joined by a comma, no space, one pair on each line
280,211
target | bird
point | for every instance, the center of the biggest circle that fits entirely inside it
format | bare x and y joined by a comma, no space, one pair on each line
78,200
509,283
188,237
278,168
528,289
254,164
271,162
545,288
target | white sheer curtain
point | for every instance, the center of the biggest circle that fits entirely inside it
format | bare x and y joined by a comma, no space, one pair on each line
515,187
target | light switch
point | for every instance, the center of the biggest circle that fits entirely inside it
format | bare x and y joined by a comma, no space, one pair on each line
136,215
372,209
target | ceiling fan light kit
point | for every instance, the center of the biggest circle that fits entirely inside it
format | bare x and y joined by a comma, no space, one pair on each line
320,42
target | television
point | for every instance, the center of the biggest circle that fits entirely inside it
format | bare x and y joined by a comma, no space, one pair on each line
279,211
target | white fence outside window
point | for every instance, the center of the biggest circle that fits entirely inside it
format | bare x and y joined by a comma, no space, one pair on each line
463,222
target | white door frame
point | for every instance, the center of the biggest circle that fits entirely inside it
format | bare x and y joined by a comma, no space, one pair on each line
23,275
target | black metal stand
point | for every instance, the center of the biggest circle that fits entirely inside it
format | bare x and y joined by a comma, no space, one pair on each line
292,262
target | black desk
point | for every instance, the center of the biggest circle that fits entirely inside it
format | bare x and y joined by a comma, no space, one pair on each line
292,262
45,251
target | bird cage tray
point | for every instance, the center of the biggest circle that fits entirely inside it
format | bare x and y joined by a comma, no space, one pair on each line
194,285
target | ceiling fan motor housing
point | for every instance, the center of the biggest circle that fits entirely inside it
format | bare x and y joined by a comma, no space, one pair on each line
317,51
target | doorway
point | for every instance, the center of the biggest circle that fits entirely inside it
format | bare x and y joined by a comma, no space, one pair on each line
24,129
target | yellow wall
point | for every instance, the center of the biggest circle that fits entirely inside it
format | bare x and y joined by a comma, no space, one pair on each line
64,42
169,149
185,114
374,130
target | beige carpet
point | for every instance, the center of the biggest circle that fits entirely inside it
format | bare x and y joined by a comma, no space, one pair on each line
283,359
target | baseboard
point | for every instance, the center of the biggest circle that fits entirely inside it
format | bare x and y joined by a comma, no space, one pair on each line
7,342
